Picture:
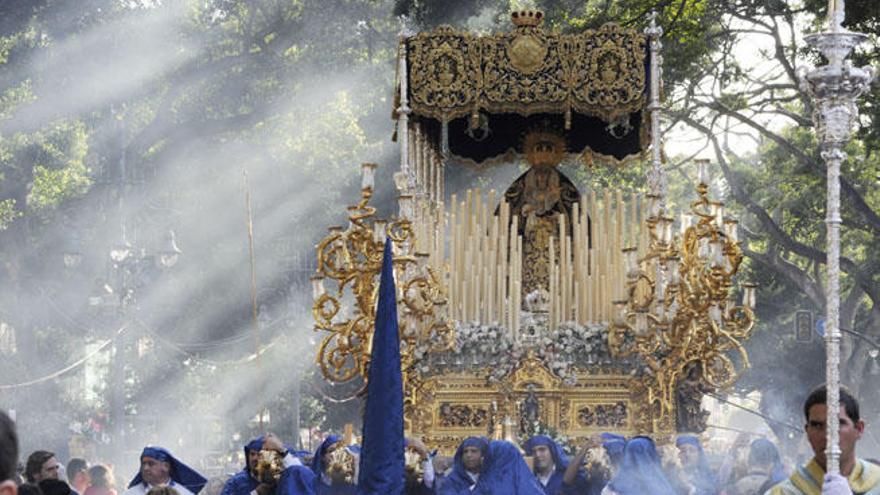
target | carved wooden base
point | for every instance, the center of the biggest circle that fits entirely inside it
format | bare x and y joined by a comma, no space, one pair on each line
452,407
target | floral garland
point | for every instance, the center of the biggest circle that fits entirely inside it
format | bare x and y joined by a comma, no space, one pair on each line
565,350
476,345
573,346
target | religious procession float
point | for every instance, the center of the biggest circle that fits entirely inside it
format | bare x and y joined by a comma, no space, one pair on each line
542,308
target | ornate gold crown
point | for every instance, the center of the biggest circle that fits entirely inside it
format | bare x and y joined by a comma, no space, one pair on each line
539,155
527,17
543,135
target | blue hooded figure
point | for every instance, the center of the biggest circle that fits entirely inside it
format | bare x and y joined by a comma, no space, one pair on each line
506,472
640,471
550,463
323,483
765,450
467,467
296,479
159,467
614,445
695,471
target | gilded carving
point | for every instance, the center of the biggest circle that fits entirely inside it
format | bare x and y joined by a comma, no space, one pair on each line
454,406
443,65
527,54
463,415
605,74
564,411
597,72
604,415
586,417
533,374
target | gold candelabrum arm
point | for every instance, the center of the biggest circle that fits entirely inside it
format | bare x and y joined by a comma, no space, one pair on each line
346,284
677,313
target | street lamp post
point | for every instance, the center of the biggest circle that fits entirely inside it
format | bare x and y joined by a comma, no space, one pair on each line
119,293
834,89
116,294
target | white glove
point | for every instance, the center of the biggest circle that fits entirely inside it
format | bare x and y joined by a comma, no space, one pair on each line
836,484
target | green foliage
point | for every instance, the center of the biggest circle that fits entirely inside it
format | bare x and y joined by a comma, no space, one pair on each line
15,96
602,176
734,102
53,159
60,172
8,213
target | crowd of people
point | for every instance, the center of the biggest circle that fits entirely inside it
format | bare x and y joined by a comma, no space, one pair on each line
623,466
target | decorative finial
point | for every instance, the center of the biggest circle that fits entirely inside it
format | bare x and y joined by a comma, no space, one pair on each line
653,30
406,29
527,18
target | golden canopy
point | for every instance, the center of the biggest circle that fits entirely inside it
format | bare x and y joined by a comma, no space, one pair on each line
488,90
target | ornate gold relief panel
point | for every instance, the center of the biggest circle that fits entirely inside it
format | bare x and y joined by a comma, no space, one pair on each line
609,71
524,72
444,72
454,407
598,72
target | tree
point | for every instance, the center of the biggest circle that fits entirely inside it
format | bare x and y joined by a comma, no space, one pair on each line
113,116
778,190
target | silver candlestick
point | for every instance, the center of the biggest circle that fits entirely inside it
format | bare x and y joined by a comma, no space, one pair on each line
656,177
834,89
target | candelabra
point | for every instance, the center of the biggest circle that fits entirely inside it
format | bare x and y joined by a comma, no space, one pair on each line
834,89
352,260
677,314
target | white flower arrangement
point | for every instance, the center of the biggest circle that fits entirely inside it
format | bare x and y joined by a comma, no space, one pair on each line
564,351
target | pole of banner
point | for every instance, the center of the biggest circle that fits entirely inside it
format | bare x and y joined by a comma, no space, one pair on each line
834,89
255,322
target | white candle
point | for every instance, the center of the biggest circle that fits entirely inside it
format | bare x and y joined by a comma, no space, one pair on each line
703,171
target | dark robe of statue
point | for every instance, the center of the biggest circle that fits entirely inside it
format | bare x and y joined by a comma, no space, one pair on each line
537,198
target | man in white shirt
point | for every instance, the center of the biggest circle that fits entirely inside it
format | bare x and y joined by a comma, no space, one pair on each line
160,468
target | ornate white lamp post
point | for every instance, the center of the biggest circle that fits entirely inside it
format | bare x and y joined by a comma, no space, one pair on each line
834,89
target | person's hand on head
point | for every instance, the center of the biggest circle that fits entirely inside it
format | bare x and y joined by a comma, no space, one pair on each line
418,446
274,443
